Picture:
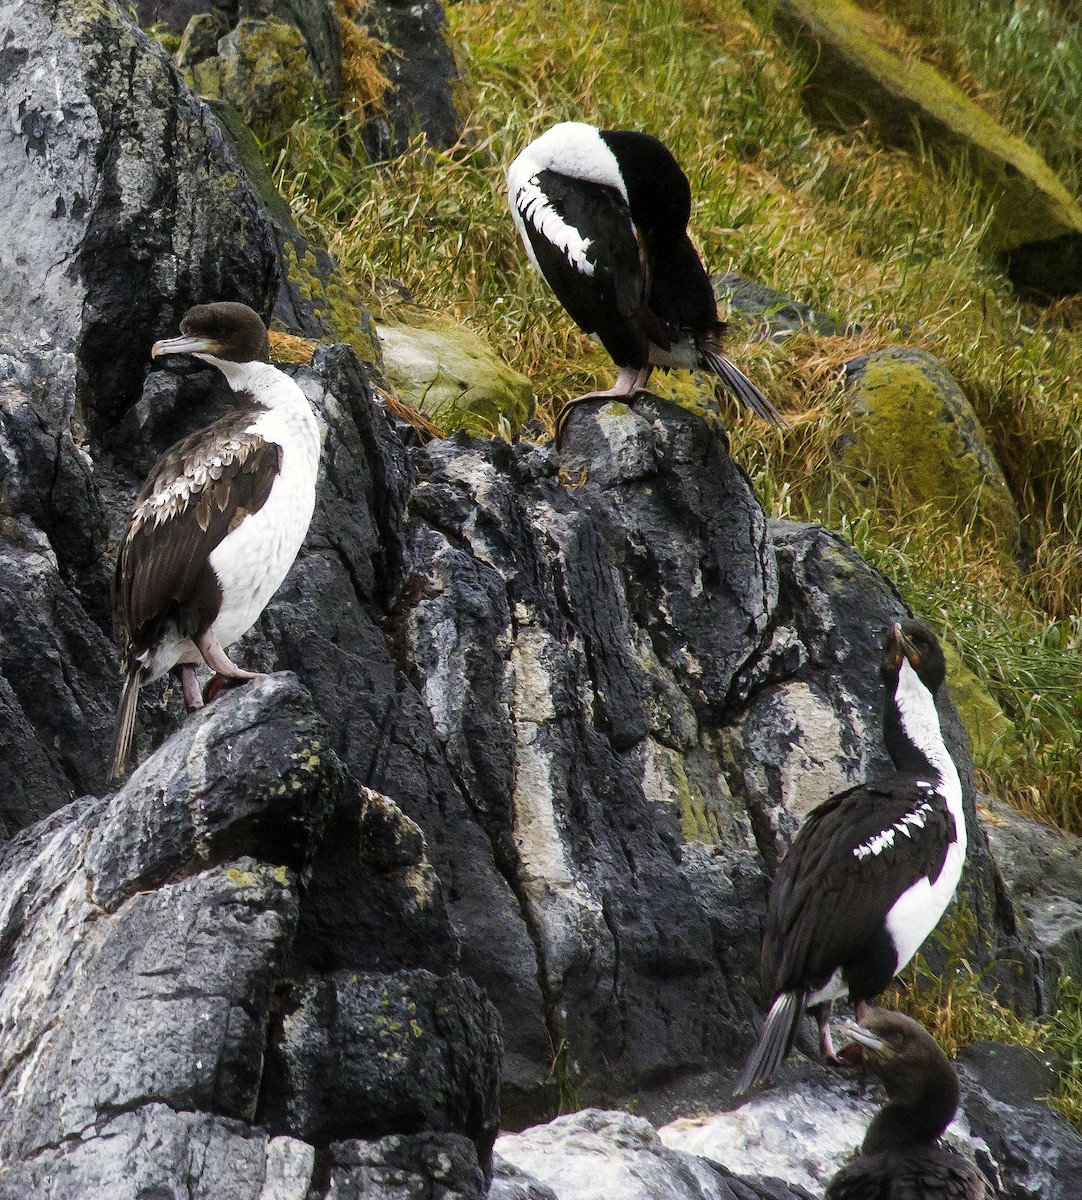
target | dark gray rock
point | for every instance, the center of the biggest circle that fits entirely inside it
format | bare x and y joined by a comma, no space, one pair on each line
120,207
367,1055
146,942
428,1166
1038,1152
521,623
55,660
1041,869
153,1151
149,935
234,782
373,901
690,540
778,314
422,69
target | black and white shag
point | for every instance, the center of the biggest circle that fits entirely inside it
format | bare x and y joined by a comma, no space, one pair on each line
603,214
870,872
218,521
902,1157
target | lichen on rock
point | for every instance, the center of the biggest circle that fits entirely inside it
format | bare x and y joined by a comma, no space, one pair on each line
911,430
451,375
855,80
262,68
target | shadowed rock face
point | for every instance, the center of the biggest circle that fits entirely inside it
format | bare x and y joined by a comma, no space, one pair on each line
121,200
550,725
154,1003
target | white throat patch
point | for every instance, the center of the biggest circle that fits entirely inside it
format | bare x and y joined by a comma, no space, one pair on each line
917,911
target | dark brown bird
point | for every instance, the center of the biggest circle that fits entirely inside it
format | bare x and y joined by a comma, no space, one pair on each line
218,522
902,1157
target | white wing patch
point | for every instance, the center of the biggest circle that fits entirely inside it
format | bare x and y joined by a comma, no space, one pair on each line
571,148
884,839
175,496
530,203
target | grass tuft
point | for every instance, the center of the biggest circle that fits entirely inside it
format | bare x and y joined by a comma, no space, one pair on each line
959,1007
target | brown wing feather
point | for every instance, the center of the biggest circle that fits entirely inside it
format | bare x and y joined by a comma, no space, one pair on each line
196,493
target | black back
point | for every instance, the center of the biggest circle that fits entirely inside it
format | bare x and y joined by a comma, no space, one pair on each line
659,197
827,905
612,301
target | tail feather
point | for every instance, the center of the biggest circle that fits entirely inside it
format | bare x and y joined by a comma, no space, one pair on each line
743,388
775,1041
125,721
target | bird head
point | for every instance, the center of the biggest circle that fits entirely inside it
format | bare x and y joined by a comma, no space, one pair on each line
897,1049
224,331
910,641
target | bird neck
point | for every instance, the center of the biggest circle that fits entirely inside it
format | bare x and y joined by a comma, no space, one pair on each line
913,735
260,382
919,1120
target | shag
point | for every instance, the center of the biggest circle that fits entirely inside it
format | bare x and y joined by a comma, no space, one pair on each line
218,521
902,1157
603,214
871,870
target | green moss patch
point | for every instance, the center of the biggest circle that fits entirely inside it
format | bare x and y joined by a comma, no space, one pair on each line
912,425
855,79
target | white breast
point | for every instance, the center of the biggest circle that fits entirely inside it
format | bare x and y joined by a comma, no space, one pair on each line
252,561
917,911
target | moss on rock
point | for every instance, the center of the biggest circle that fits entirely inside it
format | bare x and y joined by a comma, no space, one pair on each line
262,69
856,80
451,375
331,299
913,429
990,730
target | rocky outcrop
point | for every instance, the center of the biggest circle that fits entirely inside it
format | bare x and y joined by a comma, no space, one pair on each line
595,1155
317,21
228,42
1042,872
121,202
261,68
855,80
553,720
423,73
910,427
152,1005
803,1134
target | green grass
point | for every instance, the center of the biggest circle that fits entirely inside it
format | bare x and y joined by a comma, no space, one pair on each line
1022,59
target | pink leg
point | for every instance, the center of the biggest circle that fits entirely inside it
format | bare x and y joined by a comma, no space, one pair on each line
218,661
190,686
226,672
826,1045
629,380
